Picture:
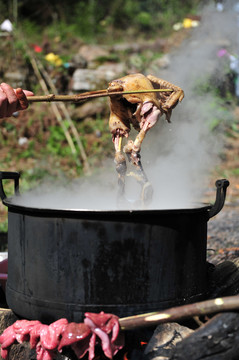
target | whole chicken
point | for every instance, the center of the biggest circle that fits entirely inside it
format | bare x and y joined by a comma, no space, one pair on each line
141,110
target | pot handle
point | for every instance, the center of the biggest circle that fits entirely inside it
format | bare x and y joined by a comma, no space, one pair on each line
9,175
221,186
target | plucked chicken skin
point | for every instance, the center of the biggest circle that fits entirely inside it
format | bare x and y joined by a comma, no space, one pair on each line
142,111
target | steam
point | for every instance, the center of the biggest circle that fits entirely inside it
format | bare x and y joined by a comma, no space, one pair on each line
177,157
179,163
96,192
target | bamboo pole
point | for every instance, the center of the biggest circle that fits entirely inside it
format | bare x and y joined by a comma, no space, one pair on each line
180,313
54,107
89,95
65,111
45,89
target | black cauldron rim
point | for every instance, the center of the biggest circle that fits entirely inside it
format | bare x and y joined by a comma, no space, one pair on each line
209,209
15,207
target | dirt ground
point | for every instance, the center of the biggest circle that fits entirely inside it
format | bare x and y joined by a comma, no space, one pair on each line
223,230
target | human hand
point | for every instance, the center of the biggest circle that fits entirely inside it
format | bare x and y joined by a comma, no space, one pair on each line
12,100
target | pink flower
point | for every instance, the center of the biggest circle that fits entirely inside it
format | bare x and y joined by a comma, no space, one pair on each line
222,52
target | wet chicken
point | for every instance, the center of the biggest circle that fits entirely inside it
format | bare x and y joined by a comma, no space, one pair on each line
140,110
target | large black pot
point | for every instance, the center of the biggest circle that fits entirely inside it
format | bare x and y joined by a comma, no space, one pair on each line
63,263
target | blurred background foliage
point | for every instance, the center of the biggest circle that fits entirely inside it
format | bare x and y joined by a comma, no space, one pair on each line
90,18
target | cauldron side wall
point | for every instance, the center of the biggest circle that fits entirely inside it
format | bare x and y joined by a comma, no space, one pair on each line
182,269
63,267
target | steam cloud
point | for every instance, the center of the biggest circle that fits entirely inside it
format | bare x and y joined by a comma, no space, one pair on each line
177,157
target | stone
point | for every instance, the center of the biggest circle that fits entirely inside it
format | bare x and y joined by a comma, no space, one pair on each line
95,79
164,340
86,80
92,52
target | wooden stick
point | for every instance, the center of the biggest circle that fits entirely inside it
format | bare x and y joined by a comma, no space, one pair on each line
53,106
66,114
180,313
88,95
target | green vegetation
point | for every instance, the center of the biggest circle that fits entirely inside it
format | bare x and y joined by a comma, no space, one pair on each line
89,19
